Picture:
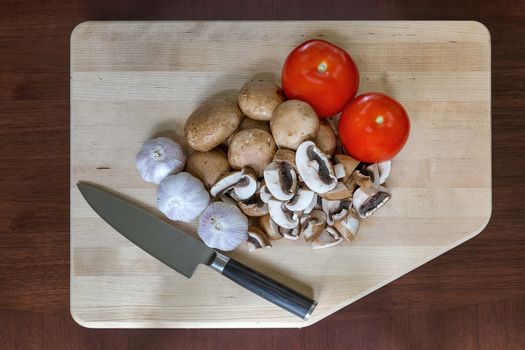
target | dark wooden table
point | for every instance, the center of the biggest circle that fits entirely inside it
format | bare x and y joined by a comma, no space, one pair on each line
472,297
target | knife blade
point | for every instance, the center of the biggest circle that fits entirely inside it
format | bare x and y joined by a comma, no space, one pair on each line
183,253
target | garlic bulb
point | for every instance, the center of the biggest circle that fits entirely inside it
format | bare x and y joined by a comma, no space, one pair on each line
159,158
182,197
223,226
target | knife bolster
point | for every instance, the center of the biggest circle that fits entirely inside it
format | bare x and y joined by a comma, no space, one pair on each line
219,262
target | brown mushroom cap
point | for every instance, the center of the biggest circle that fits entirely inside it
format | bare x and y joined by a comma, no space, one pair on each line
294,122
325,139
208,166
248,123
212,123
258,98
252,148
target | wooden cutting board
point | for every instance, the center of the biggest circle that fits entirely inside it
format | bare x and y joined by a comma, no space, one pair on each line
131,81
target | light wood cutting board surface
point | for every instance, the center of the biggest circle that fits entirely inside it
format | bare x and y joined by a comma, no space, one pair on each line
131,81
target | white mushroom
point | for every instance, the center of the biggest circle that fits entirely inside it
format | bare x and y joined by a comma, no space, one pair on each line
366,201
326,140
315,168
348,226
265,194
328,238
301,200
258,99
293,122
312,205
282,216
253,148
291,233
281,180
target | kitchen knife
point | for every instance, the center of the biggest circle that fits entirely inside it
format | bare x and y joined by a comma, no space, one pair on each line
183,253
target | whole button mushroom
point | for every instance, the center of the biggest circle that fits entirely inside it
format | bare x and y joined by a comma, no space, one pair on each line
208,166
211,124
252,148
294,122
258,98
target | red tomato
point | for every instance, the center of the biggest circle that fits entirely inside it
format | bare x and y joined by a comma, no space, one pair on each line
374,127
321,74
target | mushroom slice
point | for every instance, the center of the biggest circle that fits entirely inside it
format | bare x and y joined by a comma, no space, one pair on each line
312,205
300,201
281,180
254,206
366,201
264,194
315,168
335,210
328,238
339,170
285,155
312,225
225,183
291,233
282,216
349,226
379,172
246,186
349,164
270,227
339,192
358,179
257,239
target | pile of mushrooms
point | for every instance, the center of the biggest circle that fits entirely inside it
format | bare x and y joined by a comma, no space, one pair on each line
279,165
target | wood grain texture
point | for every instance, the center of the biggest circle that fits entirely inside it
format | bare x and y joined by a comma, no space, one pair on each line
469,298
131,81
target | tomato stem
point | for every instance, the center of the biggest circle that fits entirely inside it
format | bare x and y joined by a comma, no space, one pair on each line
380,119
322,67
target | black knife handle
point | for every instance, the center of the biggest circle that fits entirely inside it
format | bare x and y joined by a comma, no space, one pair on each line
273,291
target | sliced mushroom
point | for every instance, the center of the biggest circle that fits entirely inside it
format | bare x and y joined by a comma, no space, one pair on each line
312,205
225,183
325,139
227,199
246,187
315,168
349,164
257,239
340,192
301,200
253,148
211,124
312,225
366,201
254,206
359,179
328,238
270,227
379,172
349,226
285,155
335,210
240,184
281,180
293,122
291,233
282,216
339,171
265,194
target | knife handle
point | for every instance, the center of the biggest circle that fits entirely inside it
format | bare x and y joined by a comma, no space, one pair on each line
273,291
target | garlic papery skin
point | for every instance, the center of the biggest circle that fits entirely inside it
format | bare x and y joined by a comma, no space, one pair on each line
223,226
182,197
159,158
